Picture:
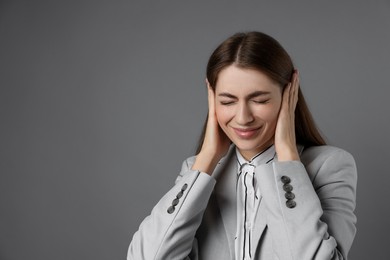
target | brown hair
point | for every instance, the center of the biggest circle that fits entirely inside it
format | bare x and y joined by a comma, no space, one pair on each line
259,51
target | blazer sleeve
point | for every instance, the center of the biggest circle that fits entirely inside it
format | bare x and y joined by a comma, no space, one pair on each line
169,231
317,220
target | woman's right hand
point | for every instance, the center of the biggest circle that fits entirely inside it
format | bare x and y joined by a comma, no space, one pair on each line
215,144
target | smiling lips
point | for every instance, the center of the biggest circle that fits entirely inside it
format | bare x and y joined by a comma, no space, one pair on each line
246,133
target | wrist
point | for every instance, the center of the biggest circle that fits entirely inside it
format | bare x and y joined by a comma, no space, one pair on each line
205,163
288,155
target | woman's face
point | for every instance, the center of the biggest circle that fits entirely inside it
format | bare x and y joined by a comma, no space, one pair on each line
247,108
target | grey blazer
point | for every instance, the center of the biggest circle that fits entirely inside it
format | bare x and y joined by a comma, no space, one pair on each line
196,219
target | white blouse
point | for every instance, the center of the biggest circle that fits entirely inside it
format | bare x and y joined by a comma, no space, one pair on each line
248,199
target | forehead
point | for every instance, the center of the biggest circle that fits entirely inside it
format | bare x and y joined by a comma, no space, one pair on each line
238,80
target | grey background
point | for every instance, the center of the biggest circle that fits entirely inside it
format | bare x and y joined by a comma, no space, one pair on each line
101,101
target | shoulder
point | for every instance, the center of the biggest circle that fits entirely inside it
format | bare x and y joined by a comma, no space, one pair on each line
324,153
329,161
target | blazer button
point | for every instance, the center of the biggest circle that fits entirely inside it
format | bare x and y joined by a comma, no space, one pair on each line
171,209
179,195
285,179
184,187
289,195
175,202
287,187
290,204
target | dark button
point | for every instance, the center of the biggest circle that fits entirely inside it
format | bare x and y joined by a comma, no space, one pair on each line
179,195
175,202
285,179
287,187
290,204
289,195
184,187
171,209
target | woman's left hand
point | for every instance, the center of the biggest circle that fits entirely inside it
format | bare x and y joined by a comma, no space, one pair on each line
285,141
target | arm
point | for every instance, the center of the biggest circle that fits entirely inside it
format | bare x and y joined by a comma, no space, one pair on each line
319,222
322,223
168,232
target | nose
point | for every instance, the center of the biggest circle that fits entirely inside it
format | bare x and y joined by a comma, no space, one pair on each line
244,114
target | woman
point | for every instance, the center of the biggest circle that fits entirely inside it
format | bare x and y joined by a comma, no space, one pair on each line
263,184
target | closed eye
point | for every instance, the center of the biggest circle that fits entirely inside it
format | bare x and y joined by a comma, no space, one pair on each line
261,101
226,103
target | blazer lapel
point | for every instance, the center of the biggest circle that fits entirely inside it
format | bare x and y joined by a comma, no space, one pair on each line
259,226
225,191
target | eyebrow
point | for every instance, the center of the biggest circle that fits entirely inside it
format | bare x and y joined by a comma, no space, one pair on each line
251,95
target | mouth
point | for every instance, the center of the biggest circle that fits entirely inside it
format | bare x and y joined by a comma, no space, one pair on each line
246,133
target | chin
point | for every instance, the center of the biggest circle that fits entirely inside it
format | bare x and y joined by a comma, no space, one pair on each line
244,146
252,146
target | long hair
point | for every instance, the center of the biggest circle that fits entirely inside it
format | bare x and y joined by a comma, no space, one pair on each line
259,51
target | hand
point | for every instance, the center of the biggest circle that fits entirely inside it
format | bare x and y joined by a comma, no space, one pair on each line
215,144
285,141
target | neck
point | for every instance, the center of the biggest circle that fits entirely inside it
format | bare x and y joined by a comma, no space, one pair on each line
249,154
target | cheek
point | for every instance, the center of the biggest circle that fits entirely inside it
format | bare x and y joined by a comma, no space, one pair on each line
268,114
223,114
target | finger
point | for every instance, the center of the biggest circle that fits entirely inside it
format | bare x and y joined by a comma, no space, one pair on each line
286,96
207,82
293,98
296,88
211,99
286,93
